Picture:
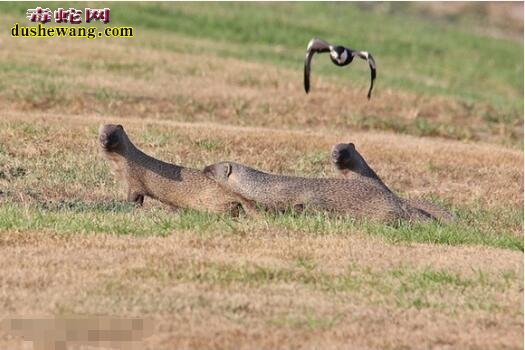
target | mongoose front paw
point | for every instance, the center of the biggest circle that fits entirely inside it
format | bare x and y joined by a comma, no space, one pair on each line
136,198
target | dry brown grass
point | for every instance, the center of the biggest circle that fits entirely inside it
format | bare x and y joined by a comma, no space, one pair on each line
199,88
170,278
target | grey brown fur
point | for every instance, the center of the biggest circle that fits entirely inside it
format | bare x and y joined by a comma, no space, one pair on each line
357,196
169,183
349,161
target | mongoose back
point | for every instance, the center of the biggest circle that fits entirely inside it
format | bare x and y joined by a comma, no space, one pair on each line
347,160
169,183
356,196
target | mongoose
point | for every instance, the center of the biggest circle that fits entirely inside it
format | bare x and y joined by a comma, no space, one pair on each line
169,183
348,160
357,196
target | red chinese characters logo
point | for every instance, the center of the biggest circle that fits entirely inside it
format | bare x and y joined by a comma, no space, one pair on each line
97,14
70,15
39,15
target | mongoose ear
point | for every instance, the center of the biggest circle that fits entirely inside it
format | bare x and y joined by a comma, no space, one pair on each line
351,145
120,127
228,169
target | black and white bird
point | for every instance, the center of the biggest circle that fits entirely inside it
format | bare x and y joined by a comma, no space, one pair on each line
340,56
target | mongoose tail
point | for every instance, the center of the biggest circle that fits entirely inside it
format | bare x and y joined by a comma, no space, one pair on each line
358,197
348,160
171,184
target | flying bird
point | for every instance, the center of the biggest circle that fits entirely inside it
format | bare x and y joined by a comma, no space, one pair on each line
340,56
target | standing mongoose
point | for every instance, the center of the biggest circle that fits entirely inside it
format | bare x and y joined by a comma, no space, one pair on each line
169,183
348,161
357,196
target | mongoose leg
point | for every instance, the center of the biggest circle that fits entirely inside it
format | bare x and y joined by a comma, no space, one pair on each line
234,209
136,198
250,209
298,208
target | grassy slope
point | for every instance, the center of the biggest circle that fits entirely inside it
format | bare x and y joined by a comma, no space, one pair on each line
300,280
409,50
479,75
466,65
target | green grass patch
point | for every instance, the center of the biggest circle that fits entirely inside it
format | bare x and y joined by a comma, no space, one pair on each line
254,275
308,320
70,217
154,139
462,231
208,144
405,286
122,218
135,69
451,234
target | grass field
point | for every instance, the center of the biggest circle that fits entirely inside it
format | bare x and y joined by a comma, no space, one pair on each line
201,83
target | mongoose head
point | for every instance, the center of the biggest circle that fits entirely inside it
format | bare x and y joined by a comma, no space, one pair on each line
112,137
344,156
219,172
227,174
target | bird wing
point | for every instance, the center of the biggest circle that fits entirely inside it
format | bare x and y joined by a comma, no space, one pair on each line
372,64
315,45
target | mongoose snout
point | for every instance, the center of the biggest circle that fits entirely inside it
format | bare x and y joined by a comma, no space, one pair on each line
342,153
109,136
209,171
